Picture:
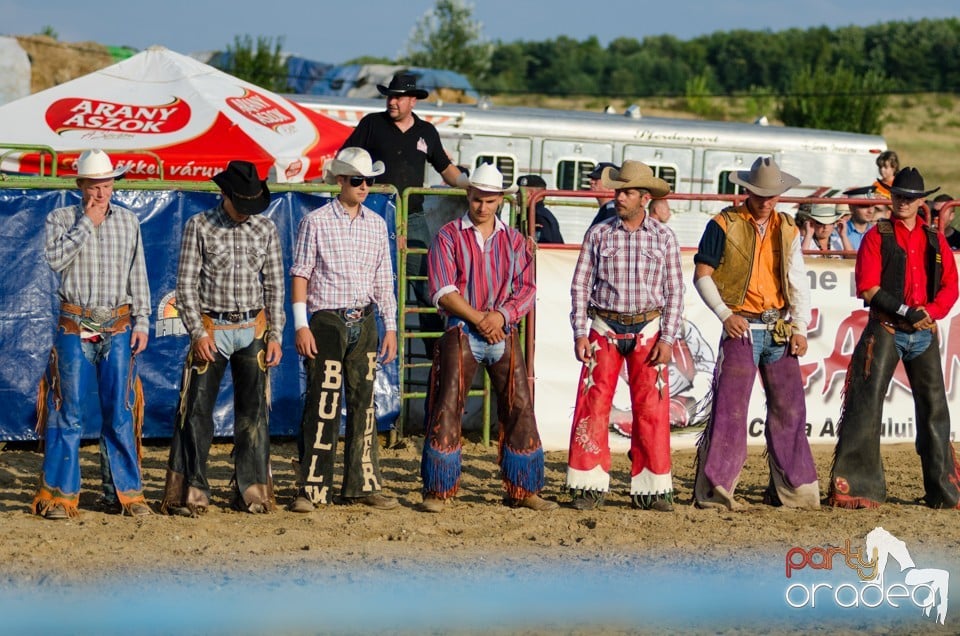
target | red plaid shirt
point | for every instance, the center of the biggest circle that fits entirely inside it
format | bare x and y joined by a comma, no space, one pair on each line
629,272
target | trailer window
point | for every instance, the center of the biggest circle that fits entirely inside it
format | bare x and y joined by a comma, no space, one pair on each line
725,185
668,174
572,174
504,163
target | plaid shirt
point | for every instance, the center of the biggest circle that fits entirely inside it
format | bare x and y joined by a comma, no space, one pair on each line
346,263
228,266
629,272
493,275
99,266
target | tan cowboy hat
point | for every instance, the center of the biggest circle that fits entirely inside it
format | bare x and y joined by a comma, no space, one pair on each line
826,213
96,164
634,174
765,178
352,162
488,179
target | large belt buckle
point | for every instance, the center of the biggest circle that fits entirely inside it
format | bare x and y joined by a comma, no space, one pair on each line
353,315
235,316
770,316
100,315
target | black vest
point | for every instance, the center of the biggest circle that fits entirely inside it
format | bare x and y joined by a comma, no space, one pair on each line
893,261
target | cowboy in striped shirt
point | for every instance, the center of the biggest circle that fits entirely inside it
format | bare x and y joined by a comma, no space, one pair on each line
628,276
480,275
342,272
97,249
230,298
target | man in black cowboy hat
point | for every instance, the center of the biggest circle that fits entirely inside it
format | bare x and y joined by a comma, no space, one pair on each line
230,298
906,275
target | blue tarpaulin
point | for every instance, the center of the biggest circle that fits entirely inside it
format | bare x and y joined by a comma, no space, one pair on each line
29,310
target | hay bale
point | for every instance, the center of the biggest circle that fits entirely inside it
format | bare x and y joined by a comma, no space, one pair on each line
53,62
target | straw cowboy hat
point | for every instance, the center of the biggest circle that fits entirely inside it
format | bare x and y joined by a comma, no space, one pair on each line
488,179
352,162
826,213
95,164
634,174
765,178
243,186
403,84
909,184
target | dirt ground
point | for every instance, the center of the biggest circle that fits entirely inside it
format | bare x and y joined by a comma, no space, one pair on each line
475,537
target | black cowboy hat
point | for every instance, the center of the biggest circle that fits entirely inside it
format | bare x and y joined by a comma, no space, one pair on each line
909,184
241,183
531,181
403,84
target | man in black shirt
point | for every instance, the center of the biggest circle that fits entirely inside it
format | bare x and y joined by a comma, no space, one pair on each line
548,229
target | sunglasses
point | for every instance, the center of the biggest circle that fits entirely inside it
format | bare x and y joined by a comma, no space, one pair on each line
356,182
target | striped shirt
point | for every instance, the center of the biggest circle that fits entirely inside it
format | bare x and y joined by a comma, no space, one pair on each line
629,272
346,262
496,274
99,266
227,266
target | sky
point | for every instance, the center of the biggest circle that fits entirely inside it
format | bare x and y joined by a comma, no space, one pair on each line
335,32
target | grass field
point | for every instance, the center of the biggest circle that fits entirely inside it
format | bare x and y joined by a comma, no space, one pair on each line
924,130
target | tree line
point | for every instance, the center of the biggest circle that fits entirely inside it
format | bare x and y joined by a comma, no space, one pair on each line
917,56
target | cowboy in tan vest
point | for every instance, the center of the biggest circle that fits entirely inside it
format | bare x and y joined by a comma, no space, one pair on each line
750,273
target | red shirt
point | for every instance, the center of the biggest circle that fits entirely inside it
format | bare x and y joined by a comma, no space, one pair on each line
914,242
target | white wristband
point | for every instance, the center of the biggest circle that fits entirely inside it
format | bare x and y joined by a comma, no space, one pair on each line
711,296
300,316
463,181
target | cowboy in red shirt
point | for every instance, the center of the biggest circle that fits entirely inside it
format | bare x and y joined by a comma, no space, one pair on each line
903,277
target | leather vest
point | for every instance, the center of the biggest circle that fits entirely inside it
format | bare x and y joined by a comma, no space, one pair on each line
893,261
732,277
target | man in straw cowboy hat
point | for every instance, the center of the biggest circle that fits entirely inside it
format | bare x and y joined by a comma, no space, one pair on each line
628,280
907,276
342,274
749,271
230,298
97,250
481,279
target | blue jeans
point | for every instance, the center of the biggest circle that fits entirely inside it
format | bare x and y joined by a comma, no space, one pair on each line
765,350
483,352
911,345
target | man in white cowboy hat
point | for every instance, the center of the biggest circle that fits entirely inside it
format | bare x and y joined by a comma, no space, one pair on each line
749,271
341,275
230,298
906,274
629,282
481,279
824,229
97,250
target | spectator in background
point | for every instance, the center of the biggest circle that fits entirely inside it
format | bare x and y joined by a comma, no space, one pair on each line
660,210
824,230
608,208
548,229
888,164
862,217
945,219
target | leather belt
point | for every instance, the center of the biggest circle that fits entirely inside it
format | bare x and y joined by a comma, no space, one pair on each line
97,314
234,316
897,323
767,316
625,319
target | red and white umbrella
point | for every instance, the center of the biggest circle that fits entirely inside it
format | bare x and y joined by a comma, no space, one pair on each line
162,108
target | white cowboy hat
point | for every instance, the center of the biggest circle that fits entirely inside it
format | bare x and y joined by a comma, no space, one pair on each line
765,179
352,162
826,213
95,164
634,174
488,179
